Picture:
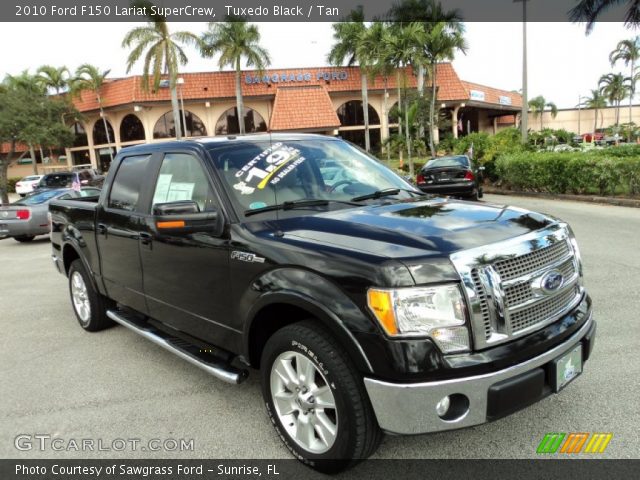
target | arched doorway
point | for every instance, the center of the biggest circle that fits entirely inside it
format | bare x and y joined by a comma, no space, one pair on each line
351,115
165,127
131,129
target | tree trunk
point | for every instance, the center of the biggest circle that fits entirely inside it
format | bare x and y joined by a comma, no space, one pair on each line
400,152
34,163
631,94
175,106
239,104
385,114
106,128
408,137
432,108
365,112
420,88
4,167
595,125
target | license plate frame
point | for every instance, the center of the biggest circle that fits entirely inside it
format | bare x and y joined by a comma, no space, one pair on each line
566,368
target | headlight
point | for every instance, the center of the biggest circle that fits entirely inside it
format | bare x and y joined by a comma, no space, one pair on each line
437,312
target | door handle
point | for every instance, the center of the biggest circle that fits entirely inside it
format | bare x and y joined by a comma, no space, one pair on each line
145,238
102,229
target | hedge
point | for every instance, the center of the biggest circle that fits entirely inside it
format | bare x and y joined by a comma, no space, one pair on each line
606,172
11,184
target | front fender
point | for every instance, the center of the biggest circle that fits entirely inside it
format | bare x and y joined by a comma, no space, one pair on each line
315,294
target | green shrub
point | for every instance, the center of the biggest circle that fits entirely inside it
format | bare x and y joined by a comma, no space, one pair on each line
598,171
11,184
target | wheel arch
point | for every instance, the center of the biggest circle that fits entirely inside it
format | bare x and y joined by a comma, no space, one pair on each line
276,310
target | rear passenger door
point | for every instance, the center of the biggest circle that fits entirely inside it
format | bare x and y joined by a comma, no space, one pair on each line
119,220
185,256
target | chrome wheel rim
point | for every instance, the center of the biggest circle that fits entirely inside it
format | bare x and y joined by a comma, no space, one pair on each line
304,402
80,297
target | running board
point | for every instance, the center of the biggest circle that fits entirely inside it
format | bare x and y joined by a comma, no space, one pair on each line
182,349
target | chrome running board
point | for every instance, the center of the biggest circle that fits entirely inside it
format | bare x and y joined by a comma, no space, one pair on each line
191,353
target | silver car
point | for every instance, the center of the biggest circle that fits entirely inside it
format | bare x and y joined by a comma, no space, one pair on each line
27,217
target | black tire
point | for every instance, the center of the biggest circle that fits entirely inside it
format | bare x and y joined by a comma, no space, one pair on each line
96,319
358,434
24,238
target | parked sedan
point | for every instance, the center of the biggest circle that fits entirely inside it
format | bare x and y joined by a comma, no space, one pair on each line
27,217
455,175
86,177
26,185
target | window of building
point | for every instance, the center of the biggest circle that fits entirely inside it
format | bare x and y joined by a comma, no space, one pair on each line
166,128
126,184
182,177
228,122
352,114
131,129
79,135
100,135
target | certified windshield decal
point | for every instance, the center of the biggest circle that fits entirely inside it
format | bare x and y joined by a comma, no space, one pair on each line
267,168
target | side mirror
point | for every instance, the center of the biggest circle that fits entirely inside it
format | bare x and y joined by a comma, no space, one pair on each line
176,208
184,217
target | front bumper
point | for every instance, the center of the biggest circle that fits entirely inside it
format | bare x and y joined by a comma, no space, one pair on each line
411,408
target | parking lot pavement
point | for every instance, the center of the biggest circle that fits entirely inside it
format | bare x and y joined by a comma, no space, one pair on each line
61,381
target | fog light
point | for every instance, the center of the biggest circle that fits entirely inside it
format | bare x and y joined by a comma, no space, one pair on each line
443,406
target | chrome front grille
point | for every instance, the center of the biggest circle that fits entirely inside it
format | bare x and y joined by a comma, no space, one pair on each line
505,284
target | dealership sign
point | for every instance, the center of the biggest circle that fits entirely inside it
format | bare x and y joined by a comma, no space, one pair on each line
301,77
504,100
476,95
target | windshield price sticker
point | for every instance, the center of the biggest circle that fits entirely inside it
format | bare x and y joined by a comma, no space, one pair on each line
268,168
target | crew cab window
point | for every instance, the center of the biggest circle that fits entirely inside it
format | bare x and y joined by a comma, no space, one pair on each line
126,184
182,177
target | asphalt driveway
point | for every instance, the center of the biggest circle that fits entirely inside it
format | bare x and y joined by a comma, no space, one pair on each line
61,381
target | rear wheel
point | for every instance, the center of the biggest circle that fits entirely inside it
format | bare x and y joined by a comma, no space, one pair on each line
24,238
89,306
316,399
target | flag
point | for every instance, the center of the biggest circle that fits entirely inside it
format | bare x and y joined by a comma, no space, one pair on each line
76,182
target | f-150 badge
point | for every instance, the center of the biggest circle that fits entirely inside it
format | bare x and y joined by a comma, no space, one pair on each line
246,257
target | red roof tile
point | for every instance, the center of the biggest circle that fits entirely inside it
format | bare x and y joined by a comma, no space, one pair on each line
300,108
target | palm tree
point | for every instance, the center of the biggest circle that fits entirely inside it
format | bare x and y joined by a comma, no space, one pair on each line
347,36
589,10
597,102
629,52
441,42
235,40
58,79
538,105
90,77
614,87
163,53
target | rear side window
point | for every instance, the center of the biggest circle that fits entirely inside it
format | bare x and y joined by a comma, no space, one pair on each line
57,180
125,191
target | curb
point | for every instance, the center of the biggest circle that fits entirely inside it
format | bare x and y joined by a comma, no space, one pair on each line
619,202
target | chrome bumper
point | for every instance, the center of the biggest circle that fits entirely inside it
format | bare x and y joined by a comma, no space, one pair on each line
411,408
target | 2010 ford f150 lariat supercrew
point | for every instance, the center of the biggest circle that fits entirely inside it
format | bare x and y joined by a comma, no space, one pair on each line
366,305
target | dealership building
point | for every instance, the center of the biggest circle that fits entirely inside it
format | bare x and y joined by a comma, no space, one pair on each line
325,100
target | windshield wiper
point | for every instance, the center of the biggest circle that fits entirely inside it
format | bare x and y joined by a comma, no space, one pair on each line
387,192
318,202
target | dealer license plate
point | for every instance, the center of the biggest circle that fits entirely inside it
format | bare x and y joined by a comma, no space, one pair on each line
568,367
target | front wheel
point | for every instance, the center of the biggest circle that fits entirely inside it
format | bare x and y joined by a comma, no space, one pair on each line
316,399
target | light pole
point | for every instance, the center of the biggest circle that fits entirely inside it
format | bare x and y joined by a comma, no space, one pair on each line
524,120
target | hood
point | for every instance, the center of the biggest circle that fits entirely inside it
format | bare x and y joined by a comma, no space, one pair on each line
436,227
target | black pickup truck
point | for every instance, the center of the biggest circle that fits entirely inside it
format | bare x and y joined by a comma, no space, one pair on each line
366,305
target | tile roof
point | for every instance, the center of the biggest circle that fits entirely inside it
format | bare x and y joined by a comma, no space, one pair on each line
209,85
304,107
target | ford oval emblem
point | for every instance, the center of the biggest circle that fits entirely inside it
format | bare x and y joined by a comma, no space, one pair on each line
552,281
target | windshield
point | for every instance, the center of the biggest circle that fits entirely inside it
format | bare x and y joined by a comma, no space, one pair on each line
38,198
459,161
260,174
